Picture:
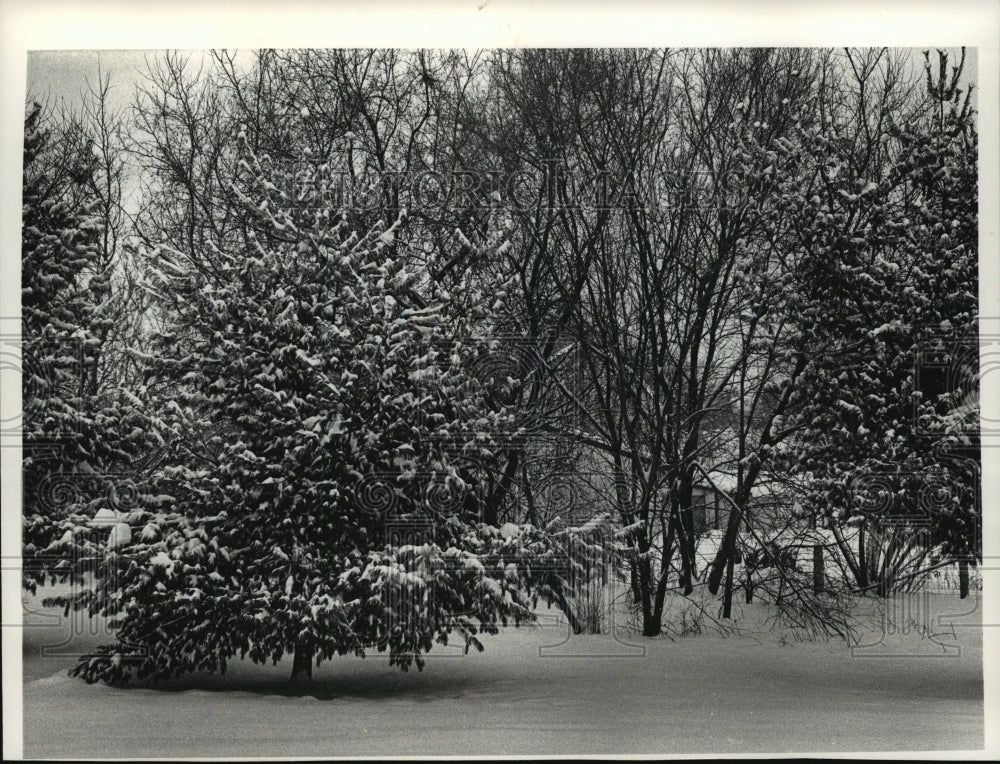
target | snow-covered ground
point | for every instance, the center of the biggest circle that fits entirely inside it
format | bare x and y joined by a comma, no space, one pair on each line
542,691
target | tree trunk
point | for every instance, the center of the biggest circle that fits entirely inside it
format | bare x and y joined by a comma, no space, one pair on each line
863,580
686,536
650,623
819,572
727,597
531,515
963,578
491,507
845,552
727,550
661,594
302,663
567,609
687,546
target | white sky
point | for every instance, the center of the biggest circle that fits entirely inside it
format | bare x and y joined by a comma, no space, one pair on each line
63,74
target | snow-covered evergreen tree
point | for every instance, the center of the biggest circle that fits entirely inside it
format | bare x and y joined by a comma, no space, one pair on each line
885,282
73,431
325,452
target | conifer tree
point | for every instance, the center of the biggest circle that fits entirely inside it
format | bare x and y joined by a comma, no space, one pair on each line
326,447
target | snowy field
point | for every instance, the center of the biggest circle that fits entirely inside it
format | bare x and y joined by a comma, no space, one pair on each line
914,682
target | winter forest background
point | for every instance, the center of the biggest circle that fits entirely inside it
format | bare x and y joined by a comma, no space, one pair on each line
335,352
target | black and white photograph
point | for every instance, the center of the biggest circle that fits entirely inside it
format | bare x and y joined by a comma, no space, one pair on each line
466,383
